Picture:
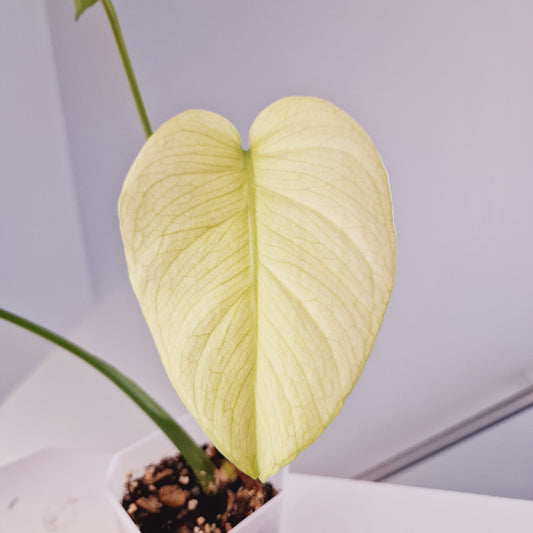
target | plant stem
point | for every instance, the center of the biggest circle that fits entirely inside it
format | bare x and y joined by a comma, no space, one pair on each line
193,454
121,45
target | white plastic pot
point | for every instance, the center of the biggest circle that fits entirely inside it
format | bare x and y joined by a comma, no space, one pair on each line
133,460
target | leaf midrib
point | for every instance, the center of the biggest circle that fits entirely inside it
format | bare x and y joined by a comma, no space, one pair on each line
250,195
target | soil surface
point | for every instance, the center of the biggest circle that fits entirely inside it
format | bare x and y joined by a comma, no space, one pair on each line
168,499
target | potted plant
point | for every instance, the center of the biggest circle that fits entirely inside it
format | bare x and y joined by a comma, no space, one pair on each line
263,274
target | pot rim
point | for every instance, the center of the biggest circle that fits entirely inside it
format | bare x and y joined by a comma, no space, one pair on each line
156,445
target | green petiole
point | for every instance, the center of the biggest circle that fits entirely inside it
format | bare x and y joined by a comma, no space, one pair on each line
196,458
81,6
121,45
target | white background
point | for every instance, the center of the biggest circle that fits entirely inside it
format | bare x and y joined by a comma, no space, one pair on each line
444,89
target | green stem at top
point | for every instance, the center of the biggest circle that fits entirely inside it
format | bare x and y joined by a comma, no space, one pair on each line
196,458
121,45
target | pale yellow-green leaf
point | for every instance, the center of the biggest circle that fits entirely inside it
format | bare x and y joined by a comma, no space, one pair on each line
263,274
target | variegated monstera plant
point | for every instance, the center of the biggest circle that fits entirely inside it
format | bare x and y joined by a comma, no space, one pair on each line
263,274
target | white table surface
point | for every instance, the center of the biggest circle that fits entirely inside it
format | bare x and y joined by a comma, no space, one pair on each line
46,412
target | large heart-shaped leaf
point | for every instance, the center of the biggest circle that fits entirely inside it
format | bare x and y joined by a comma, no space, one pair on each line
263,274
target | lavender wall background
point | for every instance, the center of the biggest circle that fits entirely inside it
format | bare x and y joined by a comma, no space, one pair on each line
444,89
44,273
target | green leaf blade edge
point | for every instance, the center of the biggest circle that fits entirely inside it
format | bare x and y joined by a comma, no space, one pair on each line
82,5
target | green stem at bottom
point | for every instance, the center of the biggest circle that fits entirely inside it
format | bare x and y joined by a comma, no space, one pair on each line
196,458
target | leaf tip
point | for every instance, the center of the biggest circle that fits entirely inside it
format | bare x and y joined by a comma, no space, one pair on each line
81,6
